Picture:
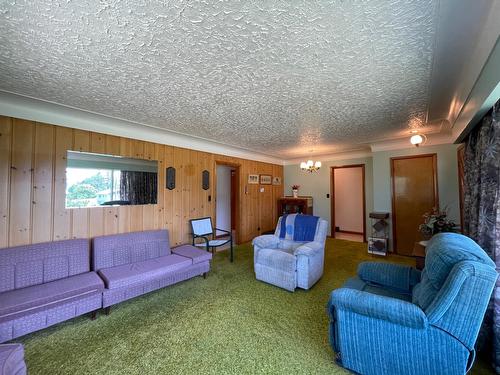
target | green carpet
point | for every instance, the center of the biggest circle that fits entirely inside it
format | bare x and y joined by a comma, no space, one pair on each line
229,323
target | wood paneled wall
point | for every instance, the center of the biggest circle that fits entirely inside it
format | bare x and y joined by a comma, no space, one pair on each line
32,187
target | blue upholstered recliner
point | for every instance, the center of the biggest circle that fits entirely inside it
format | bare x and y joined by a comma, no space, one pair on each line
293,256
392,319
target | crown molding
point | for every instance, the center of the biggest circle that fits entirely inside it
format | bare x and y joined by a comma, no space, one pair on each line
484,94
402,143
24,107
483,75
347,155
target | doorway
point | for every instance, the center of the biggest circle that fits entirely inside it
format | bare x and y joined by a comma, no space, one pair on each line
348,202
414,192
226,199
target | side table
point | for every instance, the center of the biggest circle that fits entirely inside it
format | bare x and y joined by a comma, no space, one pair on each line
419,254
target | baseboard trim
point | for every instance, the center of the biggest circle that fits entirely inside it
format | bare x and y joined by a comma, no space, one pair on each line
349,232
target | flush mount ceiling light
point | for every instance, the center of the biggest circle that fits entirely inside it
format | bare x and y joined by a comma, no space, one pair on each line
310,166
417,139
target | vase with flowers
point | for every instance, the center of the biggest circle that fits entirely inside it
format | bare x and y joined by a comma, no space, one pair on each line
436,221
295,190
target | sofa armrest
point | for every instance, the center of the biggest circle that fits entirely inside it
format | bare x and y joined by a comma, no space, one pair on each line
309,249
266,241
395,276
378,307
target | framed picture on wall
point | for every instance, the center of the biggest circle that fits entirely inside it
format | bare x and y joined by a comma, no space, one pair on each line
266,179
253,178
277,180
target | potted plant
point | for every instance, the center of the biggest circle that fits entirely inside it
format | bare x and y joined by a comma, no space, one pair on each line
436,221
295,190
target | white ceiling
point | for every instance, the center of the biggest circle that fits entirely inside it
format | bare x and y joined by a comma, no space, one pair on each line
280,78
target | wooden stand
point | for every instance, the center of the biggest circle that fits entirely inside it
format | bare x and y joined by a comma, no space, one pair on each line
378,241
419,254
299,205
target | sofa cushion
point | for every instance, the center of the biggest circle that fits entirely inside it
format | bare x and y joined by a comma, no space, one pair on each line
27,265
358,284
126,248
277,259
443,251
290,246
25,300
12,359
193,253
127,274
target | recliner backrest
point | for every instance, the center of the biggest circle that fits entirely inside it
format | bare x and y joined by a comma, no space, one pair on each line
319,236
456,285
461,303
443,251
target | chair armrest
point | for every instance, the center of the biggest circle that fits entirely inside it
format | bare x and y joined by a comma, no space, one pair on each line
309,249
266,241
225,231
375,306
195,236
395,276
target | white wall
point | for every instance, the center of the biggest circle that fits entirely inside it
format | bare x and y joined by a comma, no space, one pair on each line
223,198
378,181
349,199
317,184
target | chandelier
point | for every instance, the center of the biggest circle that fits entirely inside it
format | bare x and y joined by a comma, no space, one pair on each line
310,166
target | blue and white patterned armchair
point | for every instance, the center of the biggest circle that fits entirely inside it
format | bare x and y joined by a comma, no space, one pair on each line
293,256
392,319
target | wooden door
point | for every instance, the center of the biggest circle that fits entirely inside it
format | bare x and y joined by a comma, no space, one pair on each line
414,192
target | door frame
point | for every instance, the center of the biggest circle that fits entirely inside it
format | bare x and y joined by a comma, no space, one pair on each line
332,197
393,205
236,193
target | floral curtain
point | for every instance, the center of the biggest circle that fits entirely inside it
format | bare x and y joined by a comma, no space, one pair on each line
482,212
138,187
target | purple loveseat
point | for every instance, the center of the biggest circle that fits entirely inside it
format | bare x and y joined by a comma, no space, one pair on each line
12,359
44,284
136,263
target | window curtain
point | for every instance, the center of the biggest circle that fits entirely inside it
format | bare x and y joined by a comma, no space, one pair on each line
482,212
138,187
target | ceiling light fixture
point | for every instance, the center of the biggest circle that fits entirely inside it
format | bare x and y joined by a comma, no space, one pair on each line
310,166
416,139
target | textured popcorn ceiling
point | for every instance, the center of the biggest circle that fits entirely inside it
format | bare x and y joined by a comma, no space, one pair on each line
277,77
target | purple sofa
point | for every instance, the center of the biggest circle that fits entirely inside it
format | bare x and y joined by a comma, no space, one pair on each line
12,359
132,264
44,284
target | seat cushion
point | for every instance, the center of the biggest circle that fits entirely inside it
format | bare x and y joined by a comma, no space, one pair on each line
212,243
128,274
193,253
290,246
25,300
358,284
12,359
277,259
